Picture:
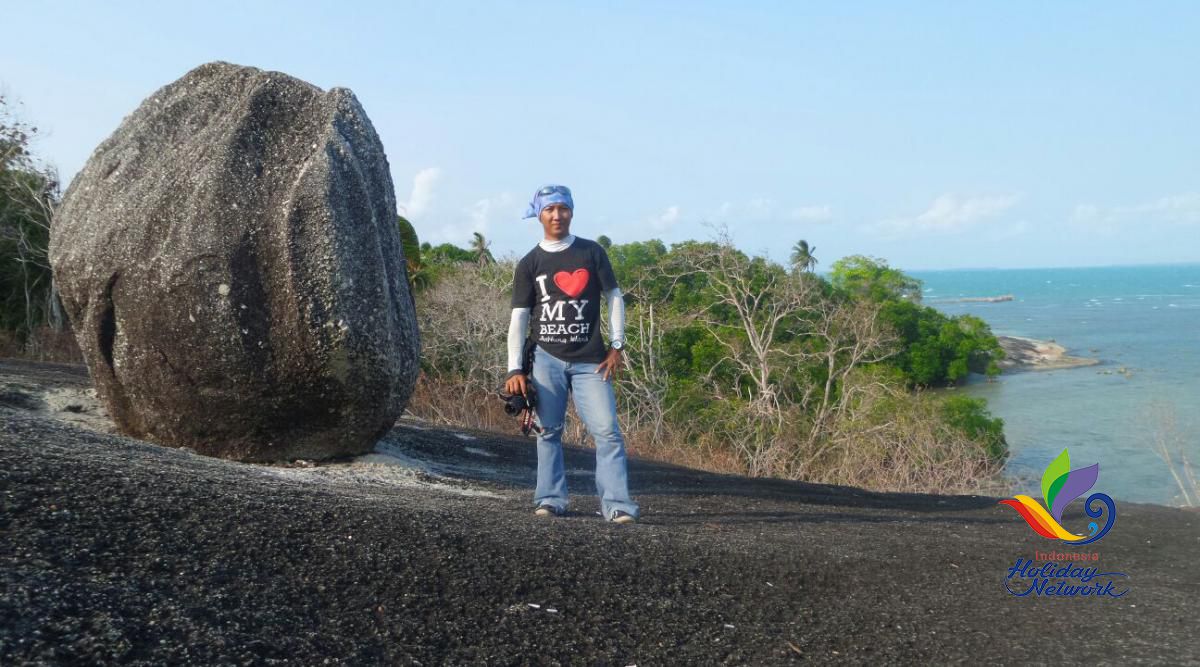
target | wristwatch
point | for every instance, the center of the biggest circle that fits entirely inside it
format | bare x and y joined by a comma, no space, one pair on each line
617,345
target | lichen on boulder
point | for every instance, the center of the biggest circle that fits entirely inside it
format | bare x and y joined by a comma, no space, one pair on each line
230,262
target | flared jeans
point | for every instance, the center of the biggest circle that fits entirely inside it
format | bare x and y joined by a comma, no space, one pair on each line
554,379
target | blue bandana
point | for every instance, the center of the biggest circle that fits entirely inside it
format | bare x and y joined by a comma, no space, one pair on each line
547,196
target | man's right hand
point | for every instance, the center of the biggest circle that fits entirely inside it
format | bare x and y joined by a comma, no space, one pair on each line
517,384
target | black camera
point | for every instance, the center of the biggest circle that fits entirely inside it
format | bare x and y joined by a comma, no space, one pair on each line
514,404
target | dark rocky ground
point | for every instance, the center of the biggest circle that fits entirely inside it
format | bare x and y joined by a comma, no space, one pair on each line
113,550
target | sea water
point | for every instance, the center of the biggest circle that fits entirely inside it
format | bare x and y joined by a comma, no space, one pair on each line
1141,322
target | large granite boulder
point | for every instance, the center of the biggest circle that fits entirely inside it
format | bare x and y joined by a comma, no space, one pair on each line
230,261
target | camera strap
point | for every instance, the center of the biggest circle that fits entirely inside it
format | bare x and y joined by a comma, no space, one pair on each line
527,423
527,356
527,352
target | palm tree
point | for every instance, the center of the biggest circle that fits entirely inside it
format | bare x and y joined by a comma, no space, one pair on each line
479,246
802,256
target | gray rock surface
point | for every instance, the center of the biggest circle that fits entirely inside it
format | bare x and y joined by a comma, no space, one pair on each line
118,552
231,265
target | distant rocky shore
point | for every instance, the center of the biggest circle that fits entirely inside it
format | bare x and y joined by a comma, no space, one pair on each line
1030,354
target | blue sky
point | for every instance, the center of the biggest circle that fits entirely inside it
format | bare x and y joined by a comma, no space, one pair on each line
934,135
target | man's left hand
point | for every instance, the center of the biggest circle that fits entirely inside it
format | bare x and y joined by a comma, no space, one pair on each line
611,364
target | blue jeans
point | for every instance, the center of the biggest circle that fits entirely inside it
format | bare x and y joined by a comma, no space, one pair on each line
597,407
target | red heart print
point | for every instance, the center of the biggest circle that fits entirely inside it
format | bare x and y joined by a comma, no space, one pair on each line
572,283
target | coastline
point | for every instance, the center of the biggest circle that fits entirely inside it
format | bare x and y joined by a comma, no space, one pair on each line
1031,354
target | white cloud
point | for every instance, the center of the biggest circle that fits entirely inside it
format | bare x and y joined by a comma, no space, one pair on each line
822,213
478,217
762,209
950,213
484,210
667,219
422,193
1183,209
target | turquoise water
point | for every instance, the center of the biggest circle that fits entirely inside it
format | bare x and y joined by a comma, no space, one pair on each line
1143,319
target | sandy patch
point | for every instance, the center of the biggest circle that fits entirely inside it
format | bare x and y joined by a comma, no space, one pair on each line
79,407
384,470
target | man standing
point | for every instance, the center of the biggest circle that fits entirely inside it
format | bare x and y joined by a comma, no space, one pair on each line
559,285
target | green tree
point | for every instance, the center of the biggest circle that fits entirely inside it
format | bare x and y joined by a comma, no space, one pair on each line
28,195
480,248
802,256
417,276
604,241
971,417
939,350
635,265
872,278
448,253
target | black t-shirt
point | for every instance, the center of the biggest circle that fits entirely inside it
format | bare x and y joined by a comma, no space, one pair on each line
563,291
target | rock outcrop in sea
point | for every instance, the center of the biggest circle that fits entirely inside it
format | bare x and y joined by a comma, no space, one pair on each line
230,262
